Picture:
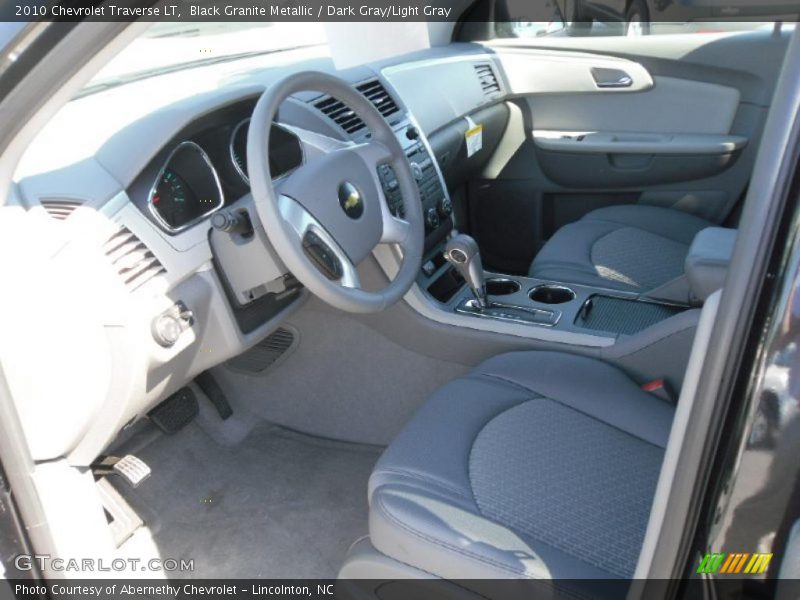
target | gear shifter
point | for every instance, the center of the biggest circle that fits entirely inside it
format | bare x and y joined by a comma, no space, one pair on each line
462,252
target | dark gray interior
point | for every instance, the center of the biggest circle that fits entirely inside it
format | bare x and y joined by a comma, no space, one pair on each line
509,471
544,187
409,358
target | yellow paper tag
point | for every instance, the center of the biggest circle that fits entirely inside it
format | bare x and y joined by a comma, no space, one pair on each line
474,139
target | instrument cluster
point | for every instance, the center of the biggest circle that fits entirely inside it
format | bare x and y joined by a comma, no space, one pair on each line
208,169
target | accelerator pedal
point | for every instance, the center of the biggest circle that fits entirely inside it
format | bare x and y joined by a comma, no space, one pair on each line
177,411
208,383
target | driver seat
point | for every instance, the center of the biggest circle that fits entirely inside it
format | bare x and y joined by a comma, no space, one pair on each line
535,465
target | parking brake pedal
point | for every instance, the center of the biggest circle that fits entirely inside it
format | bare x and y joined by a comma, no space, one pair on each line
131,469
208,383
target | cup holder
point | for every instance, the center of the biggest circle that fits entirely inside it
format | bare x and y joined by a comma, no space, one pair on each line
551,294
501,287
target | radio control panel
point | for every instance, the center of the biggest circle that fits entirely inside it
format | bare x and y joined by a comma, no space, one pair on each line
436,204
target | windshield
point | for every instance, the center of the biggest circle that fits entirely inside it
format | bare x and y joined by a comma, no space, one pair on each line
557,28
166,46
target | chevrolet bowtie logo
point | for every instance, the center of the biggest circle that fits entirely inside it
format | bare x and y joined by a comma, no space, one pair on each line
350,200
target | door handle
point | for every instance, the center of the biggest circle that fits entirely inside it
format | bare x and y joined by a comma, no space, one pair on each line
611,78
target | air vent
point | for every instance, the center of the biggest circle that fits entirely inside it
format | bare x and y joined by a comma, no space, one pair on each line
132,260
487,79
377,94
60,209
348,120
266,353
340,114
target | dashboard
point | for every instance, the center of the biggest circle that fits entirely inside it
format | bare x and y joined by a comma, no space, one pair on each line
156,194
197,186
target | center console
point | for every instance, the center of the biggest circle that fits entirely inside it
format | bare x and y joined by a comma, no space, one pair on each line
436,205
568,307
538,304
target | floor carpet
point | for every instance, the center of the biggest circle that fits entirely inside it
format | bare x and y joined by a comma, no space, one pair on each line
277,504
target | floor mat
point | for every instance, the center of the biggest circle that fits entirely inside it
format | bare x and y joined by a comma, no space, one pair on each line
279,504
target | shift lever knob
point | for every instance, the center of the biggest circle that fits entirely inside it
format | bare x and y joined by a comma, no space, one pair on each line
462,252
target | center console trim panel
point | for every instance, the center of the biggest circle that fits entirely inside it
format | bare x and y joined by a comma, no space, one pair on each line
501,311
389,258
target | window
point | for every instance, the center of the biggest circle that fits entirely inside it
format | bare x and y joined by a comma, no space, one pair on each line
525,20
170,46
521,29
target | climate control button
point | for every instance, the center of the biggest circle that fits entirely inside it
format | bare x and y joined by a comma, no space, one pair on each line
432,218
445,207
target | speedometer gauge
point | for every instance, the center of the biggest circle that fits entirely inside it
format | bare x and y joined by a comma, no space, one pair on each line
285,152
186,190
238,149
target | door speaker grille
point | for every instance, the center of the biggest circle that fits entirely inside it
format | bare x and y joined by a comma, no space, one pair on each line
267,353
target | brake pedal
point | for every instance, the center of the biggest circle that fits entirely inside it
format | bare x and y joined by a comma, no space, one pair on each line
177,411
131,469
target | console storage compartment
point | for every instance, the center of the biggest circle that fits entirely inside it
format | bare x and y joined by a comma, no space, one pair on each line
446,285
622,315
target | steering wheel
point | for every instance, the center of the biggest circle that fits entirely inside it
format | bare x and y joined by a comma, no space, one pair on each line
329,214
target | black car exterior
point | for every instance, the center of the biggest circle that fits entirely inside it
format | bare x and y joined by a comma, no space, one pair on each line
752,506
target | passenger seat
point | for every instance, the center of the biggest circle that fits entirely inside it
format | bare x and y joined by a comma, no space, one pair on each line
632,248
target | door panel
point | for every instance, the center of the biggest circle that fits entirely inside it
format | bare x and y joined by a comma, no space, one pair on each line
534,73
687,141
671,105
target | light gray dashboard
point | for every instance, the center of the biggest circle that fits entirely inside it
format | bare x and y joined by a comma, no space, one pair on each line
88,174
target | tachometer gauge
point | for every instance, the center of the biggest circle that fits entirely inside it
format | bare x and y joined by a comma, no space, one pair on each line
186,190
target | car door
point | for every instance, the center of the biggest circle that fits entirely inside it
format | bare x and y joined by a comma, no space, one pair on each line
670,120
